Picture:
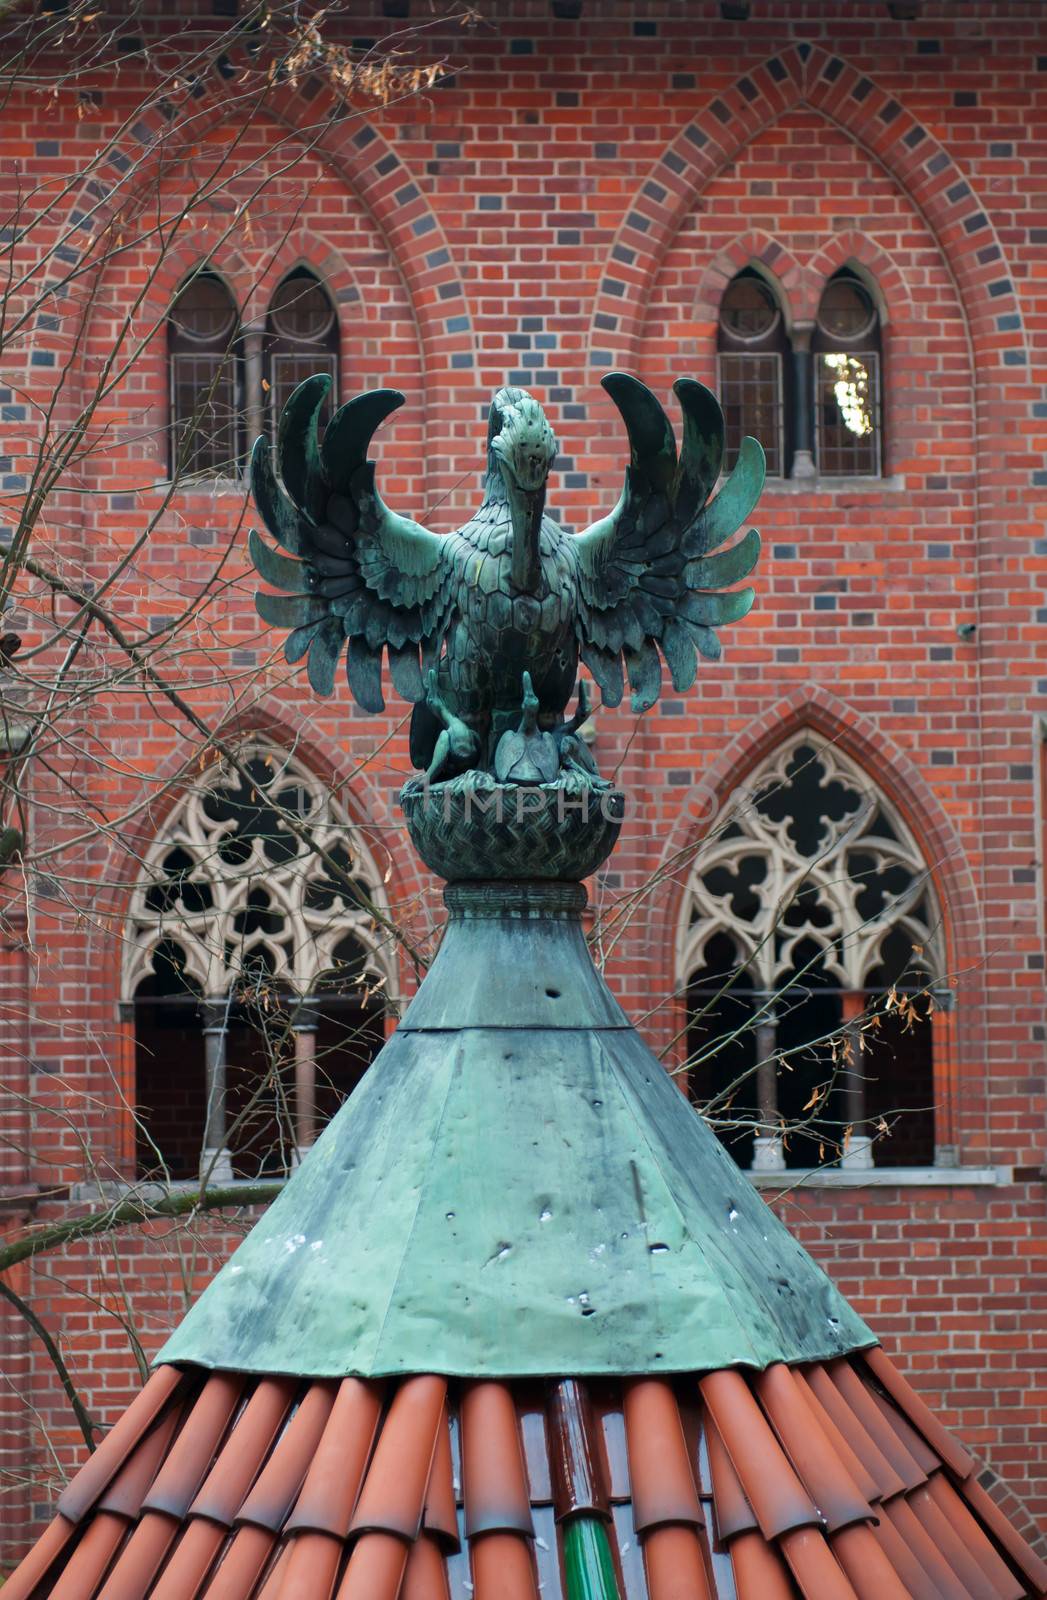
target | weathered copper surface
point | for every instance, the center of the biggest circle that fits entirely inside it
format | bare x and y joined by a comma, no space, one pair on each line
516,1188
705,1487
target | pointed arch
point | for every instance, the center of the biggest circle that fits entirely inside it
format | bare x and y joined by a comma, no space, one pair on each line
806,74
816,708
350,145
257,966
771,259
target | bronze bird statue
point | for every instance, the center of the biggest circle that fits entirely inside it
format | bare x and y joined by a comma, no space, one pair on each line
511,590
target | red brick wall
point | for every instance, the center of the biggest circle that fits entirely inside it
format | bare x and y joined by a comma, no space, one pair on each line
576,200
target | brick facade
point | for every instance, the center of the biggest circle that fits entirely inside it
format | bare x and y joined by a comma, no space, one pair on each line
576,200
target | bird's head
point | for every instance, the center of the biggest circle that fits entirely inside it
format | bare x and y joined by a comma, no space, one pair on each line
521,450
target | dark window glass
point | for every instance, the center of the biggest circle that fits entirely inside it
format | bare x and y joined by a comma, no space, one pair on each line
753,352
301,340
751,397
847,397
170,1082
206,379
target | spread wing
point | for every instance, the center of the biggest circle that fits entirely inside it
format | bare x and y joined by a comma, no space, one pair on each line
354,570
652,577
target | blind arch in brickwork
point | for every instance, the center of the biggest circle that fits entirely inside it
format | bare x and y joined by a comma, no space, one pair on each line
806,74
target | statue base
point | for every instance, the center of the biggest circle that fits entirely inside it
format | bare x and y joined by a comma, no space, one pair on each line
474,828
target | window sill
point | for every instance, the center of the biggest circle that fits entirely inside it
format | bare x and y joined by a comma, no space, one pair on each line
834,486
793,1178
883,1178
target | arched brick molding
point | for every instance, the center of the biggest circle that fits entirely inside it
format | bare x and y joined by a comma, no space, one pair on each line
353,148
807,74
770,258
360,796
873,262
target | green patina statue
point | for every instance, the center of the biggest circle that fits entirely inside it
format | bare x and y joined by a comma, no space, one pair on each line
485,627
510,590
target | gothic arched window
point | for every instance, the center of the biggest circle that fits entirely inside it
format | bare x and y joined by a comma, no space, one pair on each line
257,973
753,349
847,350
811,950
301,339
206,370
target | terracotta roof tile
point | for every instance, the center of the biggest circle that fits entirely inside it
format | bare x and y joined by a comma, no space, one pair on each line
503,1567
191,1561
836,1495
376,1568
872,1575
313,1566
493,1479
675,1566
814,1566
743,1485
425,1577
242,1565
193,1452
862,1403
1007,1537
759,1573
771,1486
140,1559
862,1444
336,1472
659,1469
852,1463
914,1443
919,1413
277,1486
952,1547
92,1557
900,1513
440,1517
1001,1579
118,1443
393,1496
918,1581
27,1578
248,1445
732,1511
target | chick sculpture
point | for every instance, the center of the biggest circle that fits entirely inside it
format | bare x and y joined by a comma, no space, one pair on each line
463,615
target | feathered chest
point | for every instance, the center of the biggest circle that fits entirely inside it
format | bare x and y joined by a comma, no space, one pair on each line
489,602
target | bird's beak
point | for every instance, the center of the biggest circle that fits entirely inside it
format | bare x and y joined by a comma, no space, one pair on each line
527,507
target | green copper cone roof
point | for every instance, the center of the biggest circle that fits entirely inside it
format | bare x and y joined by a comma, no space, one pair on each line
516,1188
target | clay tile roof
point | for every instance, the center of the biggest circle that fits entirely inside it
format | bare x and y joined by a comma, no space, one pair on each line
721,1486
661,1474
494,1479
336,1472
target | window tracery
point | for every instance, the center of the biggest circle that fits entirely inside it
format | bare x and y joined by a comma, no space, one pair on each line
244,947
810,942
